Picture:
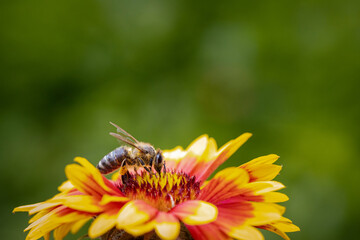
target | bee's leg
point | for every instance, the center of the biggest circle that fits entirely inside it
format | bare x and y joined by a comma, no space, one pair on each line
123,169
125,178
124,173
151,163
143,164
164,167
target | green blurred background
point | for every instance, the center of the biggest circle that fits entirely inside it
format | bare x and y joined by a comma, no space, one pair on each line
168,71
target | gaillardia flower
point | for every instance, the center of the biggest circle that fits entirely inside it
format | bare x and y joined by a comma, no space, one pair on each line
232,205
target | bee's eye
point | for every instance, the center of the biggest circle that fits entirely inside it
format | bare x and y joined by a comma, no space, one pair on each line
159,158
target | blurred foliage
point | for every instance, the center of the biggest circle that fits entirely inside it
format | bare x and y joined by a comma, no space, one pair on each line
168,71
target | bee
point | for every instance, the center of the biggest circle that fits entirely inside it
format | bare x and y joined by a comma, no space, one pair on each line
139,154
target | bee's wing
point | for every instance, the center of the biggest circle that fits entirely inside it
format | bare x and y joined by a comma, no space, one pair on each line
124,133
125,140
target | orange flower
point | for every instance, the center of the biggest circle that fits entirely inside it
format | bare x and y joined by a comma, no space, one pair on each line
233,204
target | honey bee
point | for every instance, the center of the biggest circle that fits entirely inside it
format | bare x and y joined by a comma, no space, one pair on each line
139,154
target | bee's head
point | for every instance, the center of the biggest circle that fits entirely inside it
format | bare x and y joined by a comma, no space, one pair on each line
158,161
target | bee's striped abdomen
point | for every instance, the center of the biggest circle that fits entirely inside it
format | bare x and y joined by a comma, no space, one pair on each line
113,160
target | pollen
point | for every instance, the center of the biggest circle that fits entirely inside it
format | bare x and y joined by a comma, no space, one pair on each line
162,191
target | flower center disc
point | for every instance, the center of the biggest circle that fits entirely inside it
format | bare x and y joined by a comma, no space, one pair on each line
162,192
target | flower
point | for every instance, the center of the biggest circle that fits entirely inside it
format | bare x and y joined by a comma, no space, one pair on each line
233,204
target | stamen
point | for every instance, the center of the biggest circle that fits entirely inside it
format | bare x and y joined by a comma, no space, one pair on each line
163,191
172,201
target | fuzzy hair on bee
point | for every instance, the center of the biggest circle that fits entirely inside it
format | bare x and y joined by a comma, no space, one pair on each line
137,154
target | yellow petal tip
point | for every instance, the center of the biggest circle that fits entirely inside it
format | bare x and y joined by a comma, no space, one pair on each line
205,213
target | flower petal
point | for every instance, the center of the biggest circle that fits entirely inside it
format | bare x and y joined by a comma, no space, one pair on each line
107,199
262,187
82,181
65,186
246,233
46,236
87,179
97,176
174,156
39,215
62,231
76,226
224,153
274,197
52,220
264,213
286,226
167,227
267,159
93,171
194,162
195,212
273,229
43,206
135,213
201,158
26,208
115,176
281,227
233,214
84,203
209,231
141,229
262,169
225,184
43,220
102,224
